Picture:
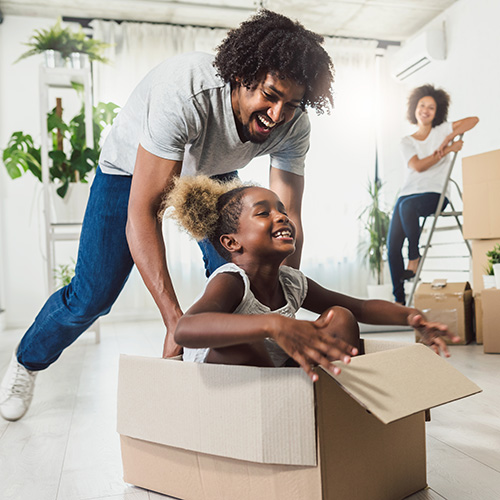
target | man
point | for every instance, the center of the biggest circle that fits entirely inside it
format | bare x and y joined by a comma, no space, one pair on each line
190,115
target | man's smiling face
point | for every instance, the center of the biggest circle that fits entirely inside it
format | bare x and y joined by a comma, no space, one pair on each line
266,105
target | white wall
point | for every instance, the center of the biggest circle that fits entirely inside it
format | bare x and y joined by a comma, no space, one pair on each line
470,74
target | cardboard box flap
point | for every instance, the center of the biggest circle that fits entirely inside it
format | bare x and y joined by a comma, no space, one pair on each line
396,383
238,412
448,290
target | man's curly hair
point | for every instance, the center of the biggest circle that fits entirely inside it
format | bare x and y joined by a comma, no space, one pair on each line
441,97
206,208
272,43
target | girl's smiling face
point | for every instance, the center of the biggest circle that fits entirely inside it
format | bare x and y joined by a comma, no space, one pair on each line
264,228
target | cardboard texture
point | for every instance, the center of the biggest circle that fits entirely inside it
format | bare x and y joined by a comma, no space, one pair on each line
480,261
481,185
178,421
478,317
451,305
491,320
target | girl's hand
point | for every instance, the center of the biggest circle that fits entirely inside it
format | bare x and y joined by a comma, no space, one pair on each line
432,333
312,343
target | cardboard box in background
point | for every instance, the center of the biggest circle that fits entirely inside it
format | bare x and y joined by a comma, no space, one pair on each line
480,261
491,320
481,185
215,432
478,317
451,305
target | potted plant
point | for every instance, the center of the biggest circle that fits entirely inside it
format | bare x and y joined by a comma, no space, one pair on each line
492,277
64,273
71,164
59,44
376,221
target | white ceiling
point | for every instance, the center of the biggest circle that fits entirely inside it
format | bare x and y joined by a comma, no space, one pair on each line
394,20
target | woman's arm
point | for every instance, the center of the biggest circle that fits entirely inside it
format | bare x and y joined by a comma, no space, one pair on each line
447,146
379,312
210,323
421,165
459,128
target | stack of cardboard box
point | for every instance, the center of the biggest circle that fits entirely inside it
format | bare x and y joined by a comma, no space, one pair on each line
481,188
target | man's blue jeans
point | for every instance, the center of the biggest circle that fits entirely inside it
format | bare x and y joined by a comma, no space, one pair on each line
405,223
103,267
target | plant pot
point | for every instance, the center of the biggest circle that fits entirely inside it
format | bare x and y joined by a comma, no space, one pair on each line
489,281
381,292
496,271
78,60
71,208
54,59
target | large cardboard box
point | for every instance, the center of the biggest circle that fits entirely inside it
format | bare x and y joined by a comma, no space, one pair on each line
214,432
491,320
481,185
480,261
450,304
478,316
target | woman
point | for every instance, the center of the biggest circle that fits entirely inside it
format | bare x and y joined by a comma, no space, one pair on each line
427,156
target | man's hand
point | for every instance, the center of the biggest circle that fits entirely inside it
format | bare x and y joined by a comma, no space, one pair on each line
312,343
170,346
432,333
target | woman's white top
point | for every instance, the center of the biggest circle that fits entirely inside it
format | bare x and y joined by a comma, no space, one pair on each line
431,180
294,285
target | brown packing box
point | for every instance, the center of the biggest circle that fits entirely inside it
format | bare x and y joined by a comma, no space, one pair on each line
491,320
478,316
215,432
480,261
481,185
450,304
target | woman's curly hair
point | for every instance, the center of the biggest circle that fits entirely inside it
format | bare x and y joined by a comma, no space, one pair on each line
441,97
206,208
272,43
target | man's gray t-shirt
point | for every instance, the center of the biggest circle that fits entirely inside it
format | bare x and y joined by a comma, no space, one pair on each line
182,111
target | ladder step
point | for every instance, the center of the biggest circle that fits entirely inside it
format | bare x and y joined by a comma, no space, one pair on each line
424,271
449,214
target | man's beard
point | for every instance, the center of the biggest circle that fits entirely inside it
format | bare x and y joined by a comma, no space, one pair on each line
252,138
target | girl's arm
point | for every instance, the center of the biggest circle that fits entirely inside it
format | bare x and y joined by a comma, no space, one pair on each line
210,323
380,312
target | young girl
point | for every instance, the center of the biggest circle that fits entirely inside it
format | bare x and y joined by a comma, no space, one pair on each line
246,315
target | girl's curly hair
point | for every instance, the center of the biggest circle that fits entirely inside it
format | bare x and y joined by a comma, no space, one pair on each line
206,208
272,43
441,97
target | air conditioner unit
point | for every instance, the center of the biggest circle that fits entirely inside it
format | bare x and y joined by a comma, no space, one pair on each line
415,54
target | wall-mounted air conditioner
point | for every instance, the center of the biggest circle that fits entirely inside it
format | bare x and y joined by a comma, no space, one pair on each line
416,53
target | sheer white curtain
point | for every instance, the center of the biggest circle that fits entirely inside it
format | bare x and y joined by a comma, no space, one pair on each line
339,163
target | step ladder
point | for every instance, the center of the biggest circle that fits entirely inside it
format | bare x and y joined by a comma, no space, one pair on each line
440,213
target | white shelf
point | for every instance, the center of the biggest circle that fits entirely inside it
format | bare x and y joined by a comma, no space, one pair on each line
61,78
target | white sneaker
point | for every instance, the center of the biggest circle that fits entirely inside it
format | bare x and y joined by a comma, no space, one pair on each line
16,390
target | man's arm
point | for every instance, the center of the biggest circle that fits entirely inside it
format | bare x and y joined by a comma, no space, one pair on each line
290,189
152,177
